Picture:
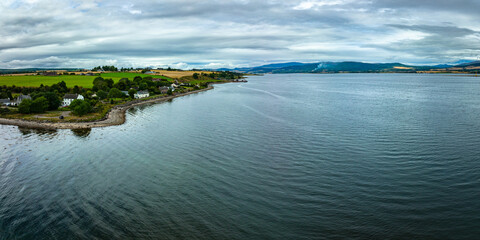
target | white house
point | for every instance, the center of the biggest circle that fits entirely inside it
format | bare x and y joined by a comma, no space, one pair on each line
5,101
19,99
68,99
141,94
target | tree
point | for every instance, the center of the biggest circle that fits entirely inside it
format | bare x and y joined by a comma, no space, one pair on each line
101,84
137,79
132,92
39,105
24,106
195,76
102,94
76,89
143,86
80,107
53,100
115,93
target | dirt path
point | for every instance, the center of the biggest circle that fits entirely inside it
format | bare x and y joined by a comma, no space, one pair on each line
116,116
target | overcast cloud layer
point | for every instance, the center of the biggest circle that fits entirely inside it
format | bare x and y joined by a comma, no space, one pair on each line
237,33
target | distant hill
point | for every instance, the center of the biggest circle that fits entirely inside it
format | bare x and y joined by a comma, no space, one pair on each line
348,67
469,64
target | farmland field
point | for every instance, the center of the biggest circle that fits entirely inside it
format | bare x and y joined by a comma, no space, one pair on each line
70,80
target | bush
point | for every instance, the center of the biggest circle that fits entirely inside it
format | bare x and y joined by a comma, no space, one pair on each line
38,105
24,106
80,107
115,93
132,92
102,94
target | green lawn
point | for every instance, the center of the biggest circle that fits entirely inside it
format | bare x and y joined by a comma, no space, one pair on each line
36,81
70,80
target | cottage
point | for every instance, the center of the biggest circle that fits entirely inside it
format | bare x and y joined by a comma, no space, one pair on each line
50,74
141,94
163,90
19,100
5,101
68,99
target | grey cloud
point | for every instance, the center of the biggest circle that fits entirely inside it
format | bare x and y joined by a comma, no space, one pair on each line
237,32
446,31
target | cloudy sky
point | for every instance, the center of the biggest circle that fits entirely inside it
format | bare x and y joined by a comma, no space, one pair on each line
235,33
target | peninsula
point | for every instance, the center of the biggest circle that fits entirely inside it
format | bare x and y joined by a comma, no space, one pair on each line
80,99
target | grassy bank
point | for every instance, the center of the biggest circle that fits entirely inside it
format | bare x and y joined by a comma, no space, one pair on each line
70,80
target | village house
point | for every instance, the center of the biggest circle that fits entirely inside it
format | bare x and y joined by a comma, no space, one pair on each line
50,74
163,90
173,86
19,99
68,99
5,101
141,94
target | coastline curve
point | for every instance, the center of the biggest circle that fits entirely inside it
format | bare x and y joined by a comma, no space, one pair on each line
116,115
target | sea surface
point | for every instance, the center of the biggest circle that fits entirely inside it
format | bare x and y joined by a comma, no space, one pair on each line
346,156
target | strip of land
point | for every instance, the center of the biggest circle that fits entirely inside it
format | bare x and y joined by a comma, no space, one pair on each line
116,116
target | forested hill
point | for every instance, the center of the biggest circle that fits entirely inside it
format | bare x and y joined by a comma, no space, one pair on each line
356,67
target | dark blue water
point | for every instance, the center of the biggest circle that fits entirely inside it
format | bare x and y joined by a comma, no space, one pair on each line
280,157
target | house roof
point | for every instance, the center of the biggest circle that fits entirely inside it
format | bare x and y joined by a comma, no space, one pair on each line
70,96
22,97
4,100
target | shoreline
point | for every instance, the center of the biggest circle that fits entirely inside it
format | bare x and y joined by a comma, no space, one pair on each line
116,116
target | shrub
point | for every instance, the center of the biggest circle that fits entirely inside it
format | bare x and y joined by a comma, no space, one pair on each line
80,107
24,106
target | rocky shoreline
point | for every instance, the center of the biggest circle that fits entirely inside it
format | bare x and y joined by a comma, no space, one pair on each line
116,116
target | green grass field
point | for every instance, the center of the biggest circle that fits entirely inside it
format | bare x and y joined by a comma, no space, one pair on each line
70,80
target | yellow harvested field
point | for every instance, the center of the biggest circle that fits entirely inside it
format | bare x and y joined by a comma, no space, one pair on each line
177,74
402,67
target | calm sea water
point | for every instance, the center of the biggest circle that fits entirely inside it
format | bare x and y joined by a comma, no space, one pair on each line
280,157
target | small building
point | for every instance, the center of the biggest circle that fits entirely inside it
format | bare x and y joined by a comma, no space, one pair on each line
68,99
149,72
141,94
163,90
5,101
50,74
19,100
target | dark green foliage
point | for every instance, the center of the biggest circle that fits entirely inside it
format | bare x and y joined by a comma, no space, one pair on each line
115,93
24,106
53,100
102,94
195,76
61,87
169,92
143,86
132,92
105,68
76,89
102,84
39,105
80,107
137,79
